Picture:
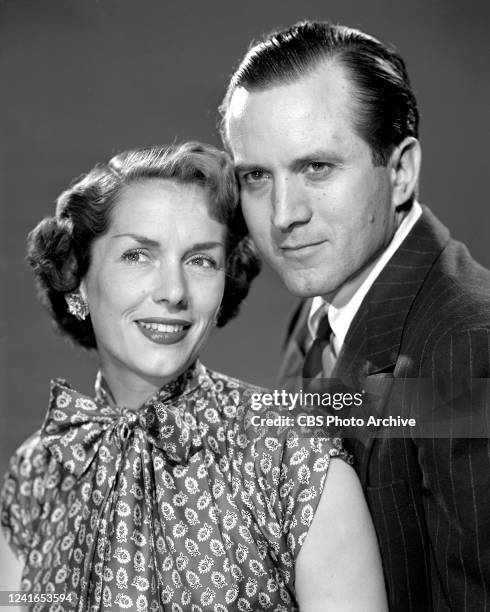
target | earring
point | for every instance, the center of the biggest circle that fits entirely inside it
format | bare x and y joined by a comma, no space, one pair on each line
77,306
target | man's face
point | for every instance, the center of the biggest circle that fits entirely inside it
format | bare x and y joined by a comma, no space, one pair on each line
317,208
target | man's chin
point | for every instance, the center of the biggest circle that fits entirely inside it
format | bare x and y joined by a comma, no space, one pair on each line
305,287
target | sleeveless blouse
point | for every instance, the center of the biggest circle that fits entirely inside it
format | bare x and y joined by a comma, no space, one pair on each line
179,506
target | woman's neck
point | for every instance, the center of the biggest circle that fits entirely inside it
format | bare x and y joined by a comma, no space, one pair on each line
128,390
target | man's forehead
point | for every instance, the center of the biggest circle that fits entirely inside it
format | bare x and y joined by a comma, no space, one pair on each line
238,103
326,86
310,112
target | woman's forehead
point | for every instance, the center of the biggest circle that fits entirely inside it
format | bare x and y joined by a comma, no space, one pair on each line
160,207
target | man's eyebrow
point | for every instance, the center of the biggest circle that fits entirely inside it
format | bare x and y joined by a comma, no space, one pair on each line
310,156
241,168
319,155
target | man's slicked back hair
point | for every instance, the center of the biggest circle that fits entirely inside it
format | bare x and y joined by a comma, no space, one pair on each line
385,106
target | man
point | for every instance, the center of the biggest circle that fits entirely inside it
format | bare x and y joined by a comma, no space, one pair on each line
323,128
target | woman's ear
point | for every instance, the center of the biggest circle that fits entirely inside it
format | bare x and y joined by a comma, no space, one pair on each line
77,302
404,170
82,288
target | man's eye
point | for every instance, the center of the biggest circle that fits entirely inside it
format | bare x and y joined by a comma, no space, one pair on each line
254,177
316,167
135,256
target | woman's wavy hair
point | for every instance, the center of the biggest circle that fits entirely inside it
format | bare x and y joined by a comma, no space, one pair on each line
59,247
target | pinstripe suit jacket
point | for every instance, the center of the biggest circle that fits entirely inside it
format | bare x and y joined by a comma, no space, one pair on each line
427,315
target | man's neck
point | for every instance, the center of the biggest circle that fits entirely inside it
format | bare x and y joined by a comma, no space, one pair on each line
343,295
344,305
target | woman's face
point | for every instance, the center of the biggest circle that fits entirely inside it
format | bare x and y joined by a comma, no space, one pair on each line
155,282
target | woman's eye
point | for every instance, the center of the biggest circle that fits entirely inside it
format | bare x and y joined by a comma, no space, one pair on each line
135,256
203,261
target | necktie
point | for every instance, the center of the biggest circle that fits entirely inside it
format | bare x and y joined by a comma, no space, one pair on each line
319,360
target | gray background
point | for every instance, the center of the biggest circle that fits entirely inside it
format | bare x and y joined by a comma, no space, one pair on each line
81,80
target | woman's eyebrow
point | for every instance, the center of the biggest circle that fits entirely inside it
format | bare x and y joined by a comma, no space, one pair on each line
144,240
206,245
149,242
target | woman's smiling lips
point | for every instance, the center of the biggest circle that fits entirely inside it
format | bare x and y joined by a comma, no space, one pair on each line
164,331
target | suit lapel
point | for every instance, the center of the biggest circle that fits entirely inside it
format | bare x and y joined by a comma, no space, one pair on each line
372,346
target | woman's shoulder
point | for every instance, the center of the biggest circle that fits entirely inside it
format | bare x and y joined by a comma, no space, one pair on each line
27,464
237,391
30,455
23,491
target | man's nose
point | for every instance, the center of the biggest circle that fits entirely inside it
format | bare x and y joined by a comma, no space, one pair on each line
170,285
290,204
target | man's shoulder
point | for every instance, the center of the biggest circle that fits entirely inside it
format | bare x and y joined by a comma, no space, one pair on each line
448,324
439,275
456,290
442,298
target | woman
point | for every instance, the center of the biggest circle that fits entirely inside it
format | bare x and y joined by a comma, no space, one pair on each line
154,495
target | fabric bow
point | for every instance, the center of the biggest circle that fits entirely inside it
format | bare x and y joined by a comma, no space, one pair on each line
78,427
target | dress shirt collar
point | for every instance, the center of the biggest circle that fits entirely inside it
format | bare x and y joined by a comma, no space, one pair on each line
344,306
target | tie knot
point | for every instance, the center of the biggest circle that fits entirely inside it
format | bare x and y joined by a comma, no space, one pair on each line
324,328
319,359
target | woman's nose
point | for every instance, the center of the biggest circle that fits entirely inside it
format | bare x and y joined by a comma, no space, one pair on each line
170,286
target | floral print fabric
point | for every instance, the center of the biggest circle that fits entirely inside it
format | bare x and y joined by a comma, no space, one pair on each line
177,506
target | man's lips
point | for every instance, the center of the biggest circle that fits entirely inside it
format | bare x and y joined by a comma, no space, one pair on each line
298,247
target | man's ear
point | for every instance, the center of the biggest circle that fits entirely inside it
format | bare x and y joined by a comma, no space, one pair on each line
404,170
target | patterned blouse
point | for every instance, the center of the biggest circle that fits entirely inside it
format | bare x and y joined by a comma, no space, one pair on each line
178,506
